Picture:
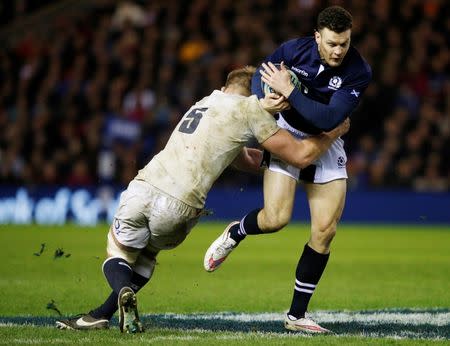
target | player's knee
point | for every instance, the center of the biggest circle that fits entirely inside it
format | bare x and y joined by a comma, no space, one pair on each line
323,235
145,266
274,221
115,249
329,234
145,263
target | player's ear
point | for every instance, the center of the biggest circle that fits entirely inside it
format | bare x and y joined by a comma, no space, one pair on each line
317,36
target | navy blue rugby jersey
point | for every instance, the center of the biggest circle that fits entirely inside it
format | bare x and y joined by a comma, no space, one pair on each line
328,94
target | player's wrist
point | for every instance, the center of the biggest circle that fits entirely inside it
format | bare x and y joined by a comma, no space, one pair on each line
334,134
288,91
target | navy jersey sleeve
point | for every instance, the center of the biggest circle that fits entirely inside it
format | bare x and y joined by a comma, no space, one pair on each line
256,84
280,54
341,105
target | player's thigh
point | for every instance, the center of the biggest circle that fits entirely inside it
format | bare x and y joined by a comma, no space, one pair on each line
170,221
279,193
326,202
129,230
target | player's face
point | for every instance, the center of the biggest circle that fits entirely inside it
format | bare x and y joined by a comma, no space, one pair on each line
332,46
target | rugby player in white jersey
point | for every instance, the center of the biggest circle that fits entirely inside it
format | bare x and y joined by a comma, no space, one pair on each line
166,198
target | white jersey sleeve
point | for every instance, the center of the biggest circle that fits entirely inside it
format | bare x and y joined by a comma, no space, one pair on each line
259,120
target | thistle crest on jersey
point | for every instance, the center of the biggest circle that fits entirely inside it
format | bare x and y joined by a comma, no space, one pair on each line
335,83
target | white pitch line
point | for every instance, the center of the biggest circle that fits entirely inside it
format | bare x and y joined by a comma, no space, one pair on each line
36,341
409,318
369,318
195,334
15,324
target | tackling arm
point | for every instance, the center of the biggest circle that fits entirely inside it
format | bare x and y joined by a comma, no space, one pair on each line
248,160
301,153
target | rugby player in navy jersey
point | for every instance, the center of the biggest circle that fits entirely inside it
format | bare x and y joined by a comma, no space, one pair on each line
333,77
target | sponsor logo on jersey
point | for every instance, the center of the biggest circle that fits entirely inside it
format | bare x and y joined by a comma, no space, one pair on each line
300,71
335,83
341,162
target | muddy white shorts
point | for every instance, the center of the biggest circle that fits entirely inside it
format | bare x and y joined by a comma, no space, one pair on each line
149,219
330,166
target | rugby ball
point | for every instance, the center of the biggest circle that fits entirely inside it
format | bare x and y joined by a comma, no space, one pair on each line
294,80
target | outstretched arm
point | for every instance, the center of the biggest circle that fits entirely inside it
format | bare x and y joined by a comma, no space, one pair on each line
301,153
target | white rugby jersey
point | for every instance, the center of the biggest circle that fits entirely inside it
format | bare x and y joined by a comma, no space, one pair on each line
206,140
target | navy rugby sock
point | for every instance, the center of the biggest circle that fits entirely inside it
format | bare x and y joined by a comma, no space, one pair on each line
109,307
138,281
248,225
309,270
118,272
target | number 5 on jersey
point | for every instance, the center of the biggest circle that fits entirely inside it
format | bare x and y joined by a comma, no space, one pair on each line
191,120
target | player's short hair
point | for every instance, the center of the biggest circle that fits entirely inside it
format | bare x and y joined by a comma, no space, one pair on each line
241,76
334,18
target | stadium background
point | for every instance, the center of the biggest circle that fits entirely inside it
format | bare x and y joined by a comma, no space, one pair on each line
90,91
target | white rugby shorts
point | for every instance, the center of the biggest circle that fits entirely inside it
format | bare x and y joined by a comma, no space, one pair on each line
330,166
148,218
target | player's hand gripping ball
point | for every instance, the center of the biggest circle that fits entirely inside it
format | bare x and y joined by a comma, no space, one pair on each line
267,89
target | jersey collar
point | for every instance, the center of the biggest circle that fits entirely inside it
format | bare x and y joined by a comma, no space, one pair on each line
315,55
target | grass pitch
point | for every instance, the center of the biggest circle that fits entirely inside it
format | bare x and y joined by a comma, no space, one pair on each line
401,270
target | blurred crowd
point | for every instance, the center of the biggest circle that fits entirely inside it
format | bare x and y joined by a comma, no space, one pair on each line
91,102
14,10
